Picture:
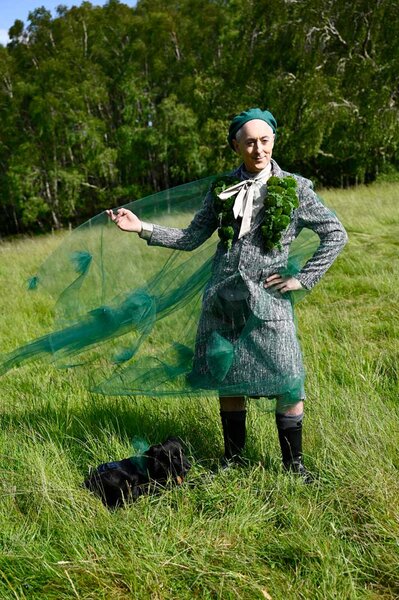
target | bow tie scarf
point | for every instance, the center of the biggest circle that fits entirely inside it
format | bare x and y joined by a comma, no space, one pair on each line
243,204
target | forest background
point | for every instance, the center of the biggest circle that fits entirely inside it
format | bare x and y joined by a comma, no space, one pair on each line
101,105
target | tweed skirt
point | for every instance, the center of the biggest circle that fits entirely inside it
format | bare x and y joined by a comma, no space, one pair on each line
239,354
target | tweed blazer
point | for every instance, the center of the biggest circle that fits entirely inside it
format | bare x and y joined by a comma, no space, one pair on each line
249,261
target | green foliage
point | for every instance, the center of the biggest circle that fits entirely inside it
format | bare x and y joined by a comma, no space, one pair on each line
280,201
224,208
226,234
103,104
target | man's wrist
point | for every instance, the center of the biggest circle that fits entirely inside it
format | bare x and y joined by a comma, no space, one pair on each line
146,230
305,280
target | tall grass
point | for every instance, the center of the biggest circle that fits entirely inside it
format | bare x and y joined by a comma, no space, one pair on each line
246,533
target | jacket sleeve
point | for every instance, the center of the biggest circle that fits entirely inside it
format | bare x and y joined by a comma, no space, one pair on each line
312,214
200,229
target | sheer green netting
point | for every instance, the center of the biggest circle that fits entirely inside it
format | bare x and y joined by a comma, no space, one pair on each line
128,314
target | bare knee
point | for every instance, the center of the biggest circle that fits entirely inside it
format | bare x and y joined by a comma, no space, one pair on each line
289,409
232,403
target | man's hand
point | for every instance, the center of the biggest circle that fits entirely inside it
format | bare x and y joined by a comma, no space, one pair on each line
283,283
125,220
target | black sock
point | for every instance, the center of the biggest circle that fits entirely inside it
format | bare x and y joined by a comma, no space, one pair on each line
289,429
233,423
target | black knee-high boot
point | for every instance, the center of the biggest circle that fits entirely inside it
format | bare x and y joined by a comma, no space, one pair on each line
289,429
233,423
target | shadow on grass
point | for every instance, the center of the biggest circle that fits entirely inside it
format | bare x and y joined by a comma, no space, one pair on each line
84,430
101,429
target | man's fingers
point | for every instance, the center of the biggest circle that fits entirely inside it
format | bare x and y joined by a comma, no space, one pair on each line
283,283
112,215
273,279
279,285
274,282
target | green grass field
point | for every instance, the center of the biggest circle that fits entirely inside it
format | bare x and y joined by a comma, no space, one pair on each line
245,534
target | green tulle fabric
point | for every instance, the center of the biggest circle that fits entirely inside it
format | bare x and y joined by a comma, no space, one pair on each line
126,314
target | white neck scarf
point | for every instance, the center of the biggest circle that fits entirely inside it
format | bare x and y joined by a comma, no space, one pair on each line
244,191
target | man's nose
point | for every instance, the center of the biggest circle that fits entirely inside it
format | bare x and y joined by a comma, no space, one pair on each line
258,145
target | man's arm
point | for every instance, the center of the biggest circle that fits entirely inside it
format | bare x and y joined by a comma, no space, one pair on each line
312,214
200,229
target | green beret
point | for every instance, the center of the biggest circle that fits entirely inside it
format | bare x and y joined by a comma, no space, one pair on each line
249,115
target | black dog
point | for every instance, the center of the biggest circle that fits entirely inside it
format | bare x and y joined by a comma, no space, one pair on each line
125,480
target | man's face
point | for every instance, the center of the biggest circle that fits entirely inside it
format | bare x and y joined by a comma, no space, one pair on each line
254,145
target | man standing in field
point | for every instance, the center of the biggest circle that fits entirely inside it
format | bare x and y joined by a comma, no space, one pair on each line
246,342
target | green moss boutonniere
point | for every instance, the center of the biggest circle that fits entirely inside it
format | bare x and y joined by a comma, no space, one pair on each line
281,199
224,208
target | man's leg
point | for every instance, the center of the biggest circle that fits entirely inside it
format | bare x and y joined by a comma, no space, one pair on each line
289,419
233,415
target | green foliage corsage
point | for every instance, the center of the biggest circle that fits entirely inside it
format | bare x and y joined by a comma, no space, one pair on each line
280,201
224,208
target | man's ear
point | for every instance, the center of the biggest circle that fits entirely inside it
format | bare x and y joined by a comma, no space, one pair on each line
236,146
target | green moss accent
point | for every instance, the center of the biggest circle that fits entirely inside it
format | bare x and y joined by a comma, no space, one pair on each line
224,208
281,199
